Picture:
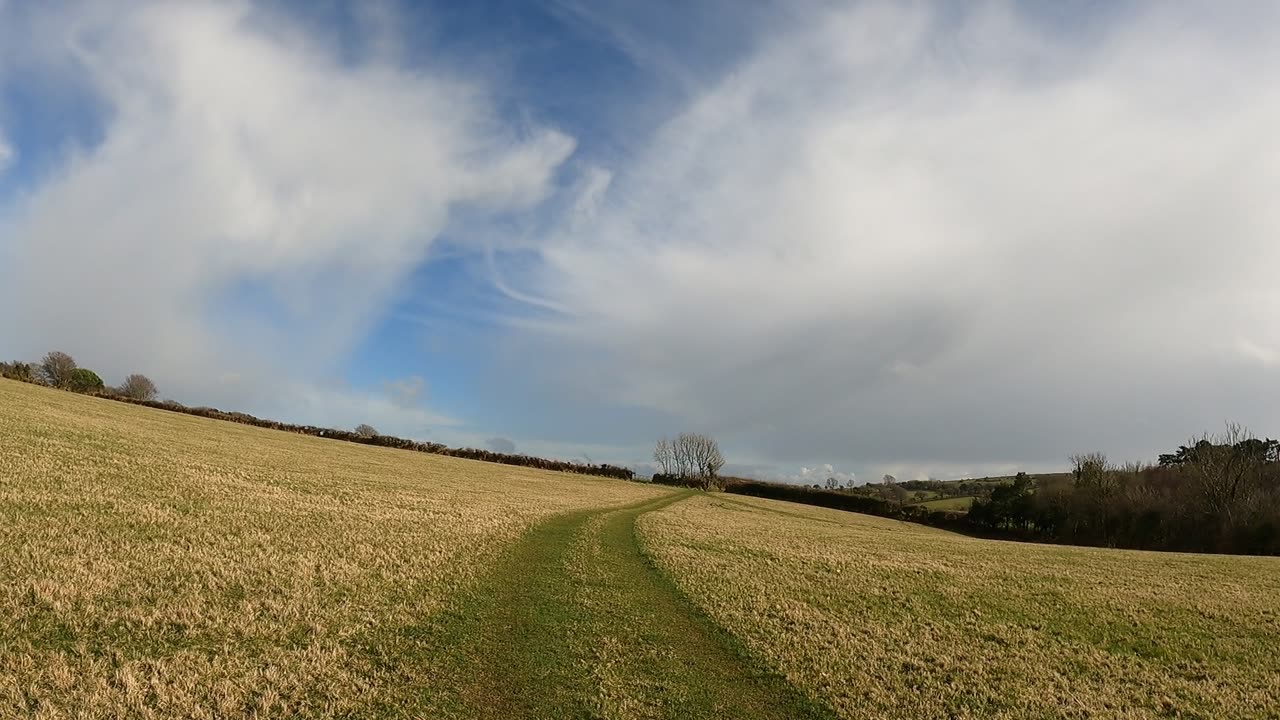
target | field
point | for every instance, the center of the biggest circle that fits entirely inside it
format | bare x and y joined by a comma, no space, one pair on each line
162,565
885,619
952,503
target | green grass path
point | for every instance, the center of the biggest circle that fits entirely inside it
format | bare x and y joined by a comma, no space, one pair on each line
576,622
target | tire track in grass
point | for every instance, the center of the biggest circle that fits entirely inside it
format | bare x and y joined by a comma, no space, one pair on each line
576,621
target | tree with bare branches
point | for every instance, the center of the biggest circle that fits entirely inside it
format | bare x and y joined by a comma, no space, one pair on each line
137,387
693,457
705,453
1225,473
365,430
664,456
56,369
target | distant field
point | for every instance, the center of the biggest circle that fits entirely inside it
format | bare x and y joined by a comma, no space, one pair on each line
1006,479
884,619
953,503
160,565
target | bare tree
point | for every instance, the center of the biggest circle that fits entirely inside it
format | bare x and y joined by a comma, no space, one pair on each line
1224,473
138,387
698,456
664,455
686,454
365,430
56,369
707,455
690,456
1094,474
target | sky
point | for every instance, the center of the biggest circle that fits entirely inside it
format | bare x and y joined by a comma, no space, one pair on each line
844,238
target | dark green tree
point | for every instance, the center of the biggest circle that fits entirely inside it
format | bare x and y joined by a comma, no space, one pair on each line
84,380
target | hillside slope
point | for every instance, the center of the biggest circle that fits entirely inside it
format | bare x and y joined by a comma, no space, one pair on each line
160,565
886,619
157,563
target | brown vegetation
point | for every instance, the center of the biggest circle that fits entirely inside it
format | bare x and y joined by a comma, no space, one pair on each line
137,387
56,369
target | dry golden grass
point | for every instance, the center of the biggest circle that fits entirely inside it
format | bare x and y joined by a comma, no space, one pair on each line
162,565
883,619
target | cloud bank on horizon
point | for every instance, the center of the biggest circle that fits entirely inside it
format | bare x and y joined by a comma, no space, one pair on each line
867,237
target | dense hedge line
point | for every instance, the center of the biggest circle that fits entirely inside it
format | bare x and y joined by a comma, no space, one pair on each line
854,503
383,440
1214,497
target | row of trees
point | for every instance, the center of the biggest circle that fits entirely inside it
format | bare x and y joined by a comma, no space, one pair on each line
834,498
903,492
1219,494
691,459
59,370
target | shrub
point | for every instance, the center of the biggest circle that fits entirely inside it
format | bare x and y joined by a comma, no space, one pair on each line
17,370
84,380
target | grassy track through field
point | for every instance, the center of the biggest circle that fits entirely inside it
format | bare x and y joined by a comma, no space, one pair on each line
576,622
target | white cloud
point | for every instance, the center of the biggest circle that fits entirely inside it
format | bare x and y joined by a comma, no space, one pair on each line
892,235
500,444
819,476
338,407
253,201
407,392
6,152
1265,356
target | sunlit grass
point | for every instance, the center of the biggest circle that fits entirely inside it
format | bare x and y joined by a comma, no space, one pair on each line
162,565
886,619
951,503
156,564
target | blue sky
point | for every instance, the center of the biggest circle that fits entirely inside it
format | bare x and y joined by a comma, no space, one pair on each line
844,238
